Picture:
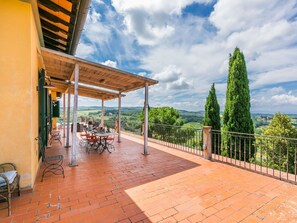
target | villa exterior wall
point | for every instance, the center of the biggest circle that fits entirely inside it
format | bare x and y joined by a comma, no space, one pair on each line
19,65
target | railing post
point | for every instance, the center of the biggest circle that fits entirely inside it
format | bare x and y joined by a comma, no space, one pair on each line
207,153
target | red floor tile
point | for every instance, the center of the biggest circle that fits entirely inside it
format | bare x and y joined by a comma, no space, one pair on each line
166,186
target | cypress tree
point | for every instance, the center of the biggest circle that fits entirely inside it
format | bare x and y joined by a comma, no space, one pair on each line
237,116
212,110
212,117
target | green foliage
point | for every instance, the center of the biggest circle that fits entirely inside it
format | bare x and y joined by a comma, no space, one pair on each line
212,110
280,152
281,125
163,115
165,124
237,116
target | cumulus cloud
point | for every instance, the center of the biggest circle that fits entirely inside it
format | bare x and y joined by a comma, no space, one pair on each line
168,74
245,14
171,78
283,75
95,31
110,63
84,50
150,21
275,99
285,99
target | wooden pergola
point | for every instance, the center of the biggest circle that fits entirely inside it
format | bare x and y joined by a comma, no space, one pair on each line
81,77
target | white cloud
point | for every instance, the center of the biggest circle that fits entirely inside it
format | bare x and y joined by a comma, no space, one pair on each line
283,75
84,50
271,100
235,16
285,99
271,60
168,7
95,30
110,63
168,74
98,1
150,21
271,36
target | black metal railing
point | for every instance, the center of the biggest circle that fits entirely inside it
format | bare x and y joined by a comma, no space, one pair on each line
270,155
178,137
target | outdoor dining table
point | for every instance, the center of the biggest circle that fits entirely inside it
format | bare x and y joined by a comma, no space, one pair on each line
103,140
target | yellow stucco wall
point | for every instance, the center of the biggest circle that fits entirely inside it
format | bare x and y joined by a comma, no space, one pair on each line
19,63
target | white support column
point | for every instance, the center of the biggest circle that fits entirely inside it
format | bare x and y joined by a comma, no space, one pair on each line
145,149
119,118
68,119
74,122
102,113
64,114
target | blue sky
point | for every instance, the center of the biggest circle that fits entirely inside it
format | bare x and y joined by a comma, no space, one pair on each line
185,44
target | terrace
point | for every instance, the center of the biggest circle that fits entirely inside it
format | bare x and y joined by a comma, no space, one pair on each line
168,185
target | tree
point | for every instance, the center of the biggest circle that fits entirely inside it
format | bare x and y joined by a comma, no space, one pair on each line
163,115
281,151
212,110
165,124
212,117
237,116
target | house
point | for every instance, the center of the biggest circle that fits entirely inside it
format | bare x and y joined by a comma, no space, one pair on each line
38,41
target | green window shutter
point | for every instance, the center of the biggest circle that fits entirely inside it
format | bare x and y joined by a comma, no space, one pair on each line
56,109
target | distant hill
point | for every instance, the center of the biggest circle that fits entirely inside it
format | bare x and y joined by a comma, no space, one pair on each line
260,119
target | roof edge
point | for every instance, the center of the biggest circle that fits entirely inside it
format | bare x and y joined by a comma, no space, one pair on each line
80,22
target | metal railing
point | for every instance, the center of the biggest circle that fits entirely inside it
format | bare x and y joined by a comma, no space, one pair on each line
269,155
178,137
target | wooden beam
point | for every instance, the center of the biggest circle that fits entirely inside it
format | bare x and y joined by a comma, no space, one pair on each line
52,27
54,18
54,42
71,78
55,7
52,46
52,35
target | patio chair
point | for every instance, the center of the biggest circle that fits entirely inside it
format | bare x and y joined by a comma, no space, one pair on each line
54,136
53,164
93,142
9,183
84,139
110,142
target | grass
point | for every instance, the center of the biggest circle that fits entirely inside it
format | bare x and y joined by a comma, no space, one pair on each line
195,125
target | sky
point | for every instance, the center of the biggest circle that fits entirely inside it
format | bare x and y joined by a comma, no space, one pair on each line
185,45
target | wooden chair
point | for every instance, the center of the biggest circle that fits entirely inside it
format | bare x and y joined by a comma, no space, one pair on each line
53,164
9,182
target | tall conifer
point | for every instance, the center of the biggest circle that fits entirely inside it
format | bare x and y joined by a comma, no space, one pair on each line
212,110
237,116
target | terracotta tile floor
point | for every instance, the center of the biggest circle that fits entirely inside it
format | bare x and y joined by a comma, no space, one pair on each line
166,186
